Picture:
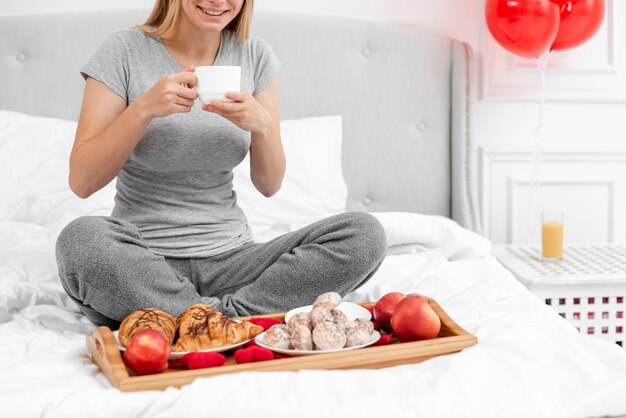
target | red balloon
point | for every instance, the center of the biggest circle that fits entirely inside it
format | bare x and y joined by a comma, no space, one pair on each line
580,20
524,27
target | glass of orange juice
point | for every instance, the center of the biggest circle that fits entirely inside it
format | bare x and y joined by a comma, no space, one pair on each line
552,235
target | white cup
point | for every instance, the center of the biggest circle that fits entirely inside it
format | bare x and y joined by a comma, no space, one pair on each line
215,81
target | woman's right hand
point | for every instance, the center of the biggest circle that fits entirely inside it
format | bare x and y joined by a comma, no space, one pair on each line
173,93
109,129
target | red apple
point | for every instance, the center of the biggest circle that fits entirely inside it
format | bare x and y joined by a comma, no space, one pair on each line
414,319
147,352
384,309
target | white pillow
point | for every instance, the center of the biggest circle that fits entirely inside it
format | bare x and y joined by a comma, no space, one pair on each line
34,168
313,187
405,230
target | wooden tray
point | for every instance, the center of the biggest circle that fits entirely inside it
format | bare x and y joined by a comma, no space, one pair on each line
451,339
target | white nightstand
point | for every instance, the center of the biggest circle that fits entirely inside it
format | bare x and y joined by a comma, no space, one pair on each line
587,286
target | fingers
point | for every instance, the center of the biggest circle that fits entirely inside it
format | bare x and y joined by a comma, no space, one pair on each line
209,108
231,116
226,106
180,108
187,78
187,93
184,102
238,96
184,82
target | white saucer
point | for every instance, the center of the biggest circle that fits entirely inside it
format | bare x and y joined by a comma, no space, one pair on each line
178,354
375,336
352,310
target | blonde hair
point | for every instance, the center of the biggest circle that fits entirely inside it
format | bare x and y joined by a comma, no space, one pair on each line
165,13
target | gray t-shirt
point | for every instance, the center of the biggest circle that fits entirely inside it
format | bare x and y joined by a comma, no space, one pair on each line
176,186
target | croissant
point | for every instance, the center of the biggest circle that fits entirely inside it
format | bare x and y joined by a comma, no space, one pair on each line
147,318
201,327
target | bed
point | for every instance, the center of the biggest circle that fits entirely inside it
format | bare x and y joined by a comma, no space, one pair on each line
386,108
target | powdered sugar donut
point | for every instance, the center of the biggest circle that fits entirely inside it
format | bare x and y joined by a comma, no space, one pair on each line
328,336
301,337
301,318
338,316
364,324
357,336
278,337
347,325
319,315
328,300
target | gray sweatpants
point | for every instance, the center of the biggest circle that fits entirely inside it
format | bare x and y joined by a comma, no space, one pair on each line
107,268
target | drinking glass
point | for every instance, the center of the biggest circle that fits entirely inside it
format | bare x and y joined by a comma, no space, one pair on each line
552,235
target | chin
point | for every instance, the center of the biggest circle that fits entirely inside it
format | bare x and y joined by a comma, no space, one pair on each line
210,28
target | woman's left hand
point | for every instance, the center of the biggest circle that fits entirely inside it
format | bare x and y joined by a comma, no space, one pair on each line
245,112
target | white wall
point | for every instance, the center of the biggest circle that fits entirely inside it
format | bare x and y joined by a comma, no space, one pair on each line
583,169
585,113
14,7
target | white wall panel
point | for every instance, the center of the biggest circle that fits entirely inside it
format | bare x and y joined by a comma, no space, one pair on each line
588,208
590,188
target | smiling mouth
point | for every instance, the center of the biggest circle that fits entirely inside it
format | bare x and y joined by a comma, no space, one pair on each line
212,12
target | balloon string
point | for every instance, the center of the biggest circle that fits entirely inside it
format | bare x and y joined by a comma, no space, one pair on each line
535,171
567,6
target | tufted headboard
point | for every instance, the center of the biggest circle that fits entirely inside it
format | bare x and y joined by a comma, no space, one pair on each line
402,92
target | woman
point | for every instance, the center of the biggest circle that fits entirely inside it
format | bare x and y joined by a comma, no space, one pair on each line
176,235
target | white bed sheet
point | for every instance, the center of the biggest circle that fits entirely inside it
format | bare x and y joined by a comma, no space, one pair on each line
529,362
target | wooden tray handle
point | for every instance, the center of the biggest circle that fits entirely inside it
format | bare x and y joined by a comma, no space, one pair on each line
106,355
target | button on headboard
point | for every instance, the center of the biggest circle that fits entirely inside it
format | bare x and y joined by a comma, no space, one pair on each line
401,92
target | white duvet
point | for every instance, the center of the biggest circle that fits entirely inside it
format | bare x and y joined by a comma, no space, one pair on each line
529,362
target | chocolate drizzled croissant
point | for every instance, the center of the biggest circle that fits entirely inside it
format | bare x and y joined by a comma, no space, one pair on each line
147,318
201,327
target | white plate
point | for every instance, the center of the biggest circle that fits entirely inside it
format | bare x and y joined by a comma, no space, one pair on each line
352,311
178,354
259,340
